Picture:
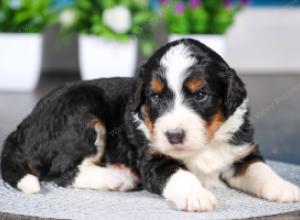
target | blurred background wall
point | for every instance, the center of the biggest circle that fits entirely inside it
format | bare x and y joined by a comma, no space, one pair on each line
265,40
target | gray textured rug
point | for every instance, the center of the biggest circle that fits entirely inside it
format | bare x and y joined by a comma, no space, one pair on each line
67,203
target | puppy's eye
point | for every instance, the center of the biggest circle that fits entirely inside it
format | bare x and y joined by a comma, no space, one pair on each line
200,96
155,97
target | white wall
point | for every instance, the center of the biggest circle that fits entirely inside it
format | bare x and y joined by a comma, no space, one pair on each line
265,40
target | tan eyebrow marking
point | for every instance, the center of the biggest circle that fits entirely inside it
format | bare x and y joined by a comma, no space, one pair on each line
157,85
194,85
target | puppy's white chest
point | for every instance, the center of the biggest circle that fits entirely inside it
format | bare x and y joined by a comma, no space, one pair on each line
207,166
209,163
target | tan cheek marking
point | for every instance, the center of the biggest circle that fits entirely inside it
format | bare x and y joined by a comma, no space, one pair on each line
157,85
149,125
194,85
146,117
214,124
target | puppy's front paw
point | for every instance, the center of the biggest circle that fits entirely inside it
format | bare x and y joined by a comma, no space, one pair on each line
194,200
185,190
279,190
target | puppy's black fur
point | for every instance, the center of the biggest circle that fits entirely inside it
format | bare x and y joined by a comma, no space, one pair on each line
58,134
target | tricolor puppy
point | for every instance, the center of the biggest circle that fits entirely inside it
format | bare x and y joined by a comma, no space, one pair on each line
181,127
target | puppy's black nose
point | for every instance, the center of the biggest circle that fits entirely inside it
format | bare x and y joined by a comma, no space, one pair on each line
175,136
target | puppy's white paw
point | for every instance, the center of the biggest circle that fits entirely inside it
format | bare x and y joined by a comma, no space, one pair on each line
112,181
104,178
94,177
29,184
260,180
185,190
279,190
196,200
129,179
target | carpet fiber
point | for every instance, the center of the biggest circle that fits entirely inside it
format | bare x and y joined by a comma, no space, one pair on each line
67,203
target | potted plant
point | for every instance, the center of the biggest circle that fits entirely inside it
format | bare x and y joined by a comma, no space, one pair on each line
21,22
206,20
108,32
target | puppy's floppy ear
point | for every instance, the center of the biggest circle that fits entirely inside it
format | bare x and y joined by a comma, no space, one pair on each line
137,97
235,93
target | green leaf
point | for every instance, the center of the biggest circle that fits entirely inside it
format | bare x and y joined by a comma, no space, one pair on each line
147,46
178,24
140,18
222,21
198,20
107,3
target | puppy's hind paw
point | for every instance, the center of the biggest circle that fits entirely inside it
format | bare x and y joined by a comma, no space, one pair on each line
128,178
29,184
104,178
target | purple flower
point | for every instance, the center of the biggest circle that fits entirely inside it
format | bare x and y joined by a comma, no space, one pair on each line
195,3
179,8
227,3
244,2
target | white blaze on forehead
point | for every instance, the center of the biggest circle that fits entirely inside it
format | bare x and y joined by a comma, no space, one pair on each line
176,61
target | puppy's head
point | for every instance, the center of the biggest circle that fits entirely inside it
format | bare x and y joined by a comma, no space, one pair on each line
185,93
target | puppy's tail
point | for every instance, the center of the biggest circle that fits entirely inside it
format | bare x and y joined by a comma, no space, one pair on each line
14,168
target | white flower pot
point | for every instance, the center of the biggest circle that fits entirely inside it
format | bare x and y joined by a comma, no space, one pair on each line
215,42
99,57
20,61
